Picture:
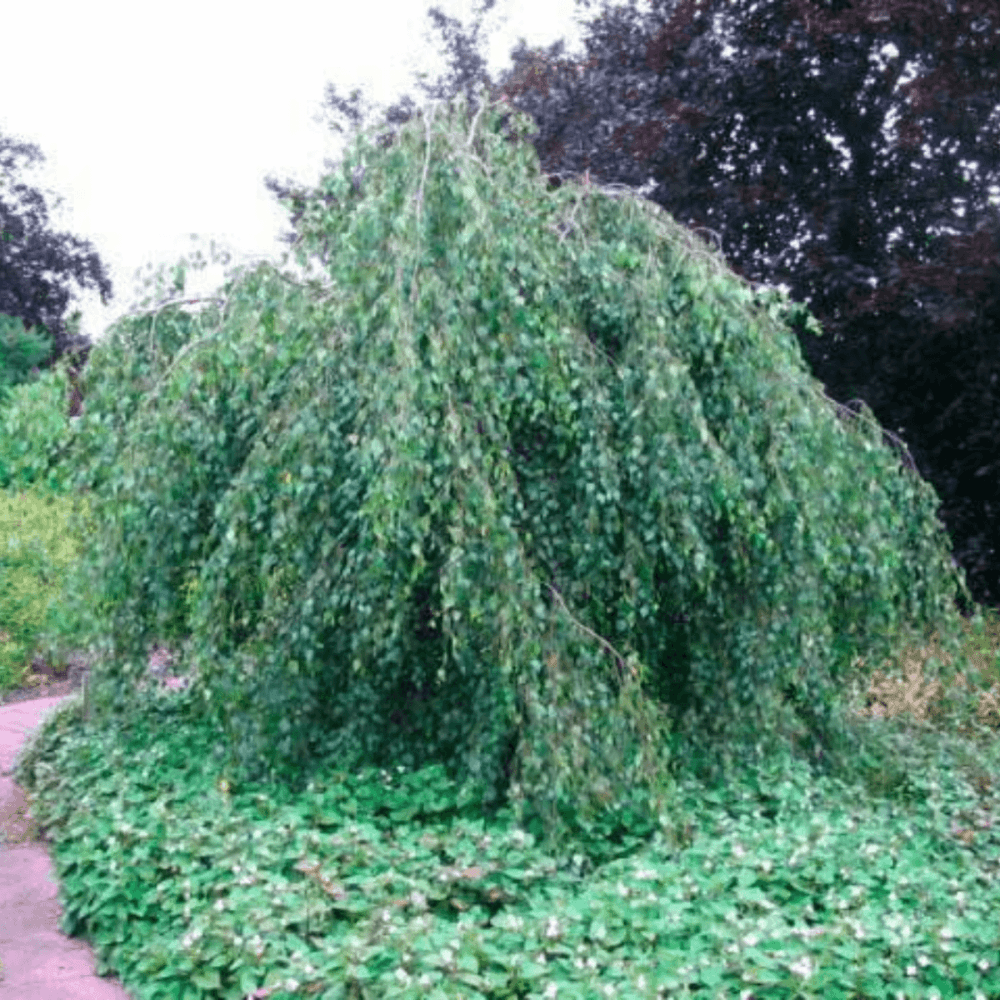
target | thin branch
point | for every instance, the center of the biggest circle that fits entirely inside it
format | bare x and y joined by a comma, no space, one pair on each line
604,642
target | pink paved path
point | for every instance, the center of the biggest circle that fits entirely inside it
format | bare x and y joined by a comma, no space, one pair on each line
38,961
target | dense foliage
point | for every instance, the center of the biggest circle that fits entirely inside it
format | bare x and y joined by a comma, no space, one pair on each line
33,430
533,488
387,884
20,352
734,146
909,309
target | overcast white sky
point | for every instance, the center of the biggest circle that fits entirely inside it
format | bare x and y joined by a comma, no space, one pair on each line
161,121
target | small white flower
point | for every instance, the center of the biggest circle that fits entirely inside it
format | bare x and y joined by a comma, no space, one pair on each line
803,967
190,938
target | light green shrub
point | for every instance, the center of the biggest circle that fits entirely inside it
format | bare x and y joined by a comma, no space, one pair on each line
37,546
34,430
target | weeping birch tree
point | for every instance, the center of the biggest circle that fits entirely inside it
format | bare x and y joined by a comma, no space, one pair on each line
529,485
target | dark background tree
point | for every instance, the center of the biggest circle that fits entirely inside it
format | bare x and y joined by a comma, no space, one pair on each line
909,316
28,252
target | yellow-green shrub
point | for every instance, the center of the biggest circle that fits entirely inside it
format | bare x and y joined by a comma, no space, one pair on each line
36,547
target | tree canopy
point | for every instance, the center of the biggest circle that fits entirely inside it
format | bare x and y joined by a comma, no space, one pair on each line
533,487
735,147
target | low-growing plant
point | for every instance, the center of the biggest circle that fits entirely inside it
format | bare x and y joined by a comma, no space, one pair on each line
387,883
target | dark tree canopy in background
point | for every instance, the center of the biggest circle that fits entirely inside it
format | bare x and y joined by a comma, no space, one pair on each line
908,324
36,266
